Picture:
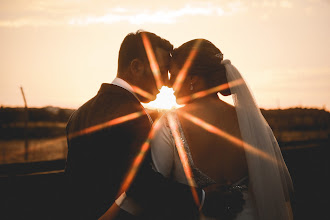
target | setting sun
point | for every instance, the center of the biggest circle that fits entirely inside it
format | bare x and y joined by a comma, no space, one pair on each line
165,100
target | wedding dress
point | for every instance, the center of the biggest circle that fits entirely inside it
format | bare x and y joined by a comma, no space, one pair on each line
166,160
269,184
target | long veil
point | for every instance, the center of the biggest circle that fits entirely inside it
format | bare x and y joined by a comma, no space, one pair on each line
268,175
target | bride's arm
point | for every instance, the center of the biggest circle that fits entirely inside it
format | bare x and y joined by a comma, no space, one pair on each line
162,148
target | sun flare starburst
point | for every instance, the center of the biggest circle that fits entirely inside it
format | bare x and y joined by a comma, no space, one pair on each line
165,100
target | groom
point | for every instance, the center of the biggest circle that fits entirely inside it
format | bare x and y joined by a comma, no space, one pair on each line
106,134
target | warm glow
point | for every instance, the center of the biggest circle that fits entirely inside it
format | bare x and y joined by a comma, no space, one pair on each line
44,42
165,100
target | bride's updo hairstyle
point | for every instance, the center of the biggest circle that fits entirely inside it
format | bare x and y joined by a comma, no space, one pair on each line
206,63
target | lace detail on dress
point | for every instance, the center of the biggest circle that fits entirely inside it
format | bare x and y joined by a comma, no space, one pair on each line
201,179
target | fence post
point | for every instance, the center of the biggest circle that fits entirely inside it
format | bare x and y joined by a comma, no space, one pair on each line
26,119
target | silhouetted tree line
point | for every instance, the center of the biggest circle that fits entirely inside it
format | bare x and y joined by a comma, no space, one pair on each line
298,119
11,120
46,114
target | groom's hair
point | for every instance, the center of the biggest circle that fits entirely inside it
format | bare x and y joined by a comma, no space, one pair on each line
132,47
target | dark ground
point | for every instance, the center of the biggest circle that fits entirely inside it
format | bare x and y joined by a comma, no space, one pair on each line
39,196
309,169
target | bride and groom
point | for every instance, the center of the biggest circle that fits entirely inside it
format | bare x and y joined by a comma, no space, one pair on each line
206,160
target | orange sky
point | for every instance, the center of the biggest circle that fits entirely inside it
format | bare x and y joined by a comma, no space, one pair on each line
61,51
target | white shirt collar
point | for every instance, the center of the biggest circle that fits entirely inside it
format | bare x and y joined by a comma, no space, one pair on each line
123,84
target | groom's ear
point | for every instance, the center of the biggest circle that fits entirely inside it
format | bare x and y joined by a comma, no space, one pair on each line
137,67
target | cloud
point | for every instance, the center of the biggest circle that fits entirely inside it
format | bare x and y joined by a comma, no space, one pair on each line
271,4
134,16
17,13
70,12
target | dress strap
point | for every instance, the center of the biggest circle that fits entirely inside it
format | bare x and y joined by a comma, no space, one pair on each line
200,178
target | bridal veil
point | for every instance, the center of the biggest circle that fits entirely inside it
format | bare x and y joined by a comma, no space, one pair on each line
269,177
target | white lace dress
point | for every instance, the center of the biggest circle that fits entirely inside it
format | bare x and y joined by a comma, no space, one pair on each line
166,160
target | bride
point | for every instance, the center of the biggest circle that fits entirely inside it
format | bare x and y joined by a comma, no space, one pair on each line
209,141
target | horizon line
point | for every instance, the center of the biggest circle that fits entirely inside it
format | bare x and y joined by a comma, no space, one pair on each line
153,108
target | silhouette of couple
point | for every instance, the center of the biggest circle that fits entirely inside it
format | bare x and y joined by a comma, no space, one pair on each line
206,160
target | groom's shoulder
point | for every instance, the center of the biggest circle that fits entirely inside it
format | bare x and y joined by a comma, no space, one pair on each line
108,94
110,100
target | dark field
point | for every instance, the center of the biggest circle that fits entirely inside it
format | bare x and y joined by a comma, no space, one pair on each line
34,188
309,169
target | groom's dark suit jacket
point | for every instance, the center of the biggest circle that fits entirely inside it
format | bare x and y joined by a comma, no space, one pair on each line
101,147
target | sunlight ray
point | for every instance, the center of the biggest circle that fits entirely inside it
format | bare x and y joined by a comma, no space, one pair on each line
112,122
143,93
183,157
212,129
131,173
138,160
152,60
183,72
201,94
